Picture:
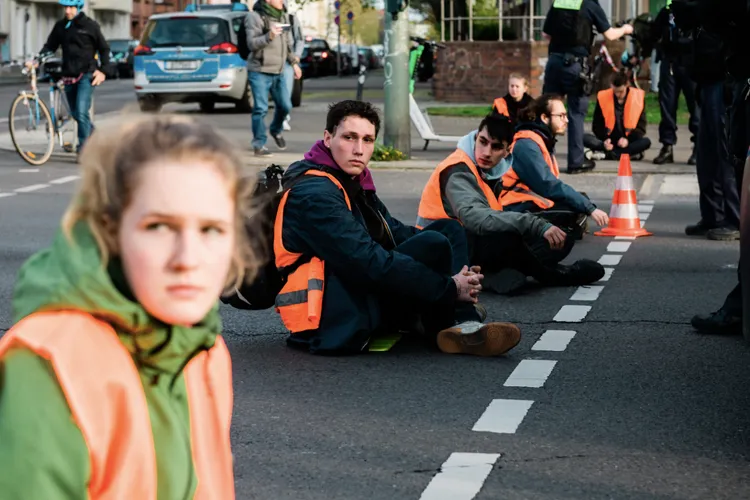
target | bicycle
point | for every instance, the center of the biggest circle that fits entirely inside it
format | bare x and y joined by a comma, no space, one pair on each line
48,122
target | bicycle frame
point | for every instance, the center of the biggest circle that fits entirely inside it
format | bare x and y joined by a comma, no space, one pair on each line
56,95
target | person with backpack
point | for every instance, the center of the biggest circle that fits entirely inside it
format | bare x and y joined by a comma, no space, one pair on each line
354,271
271,46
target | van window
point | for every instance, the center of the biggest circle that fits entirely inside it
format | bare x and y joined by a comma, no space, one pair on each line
185,32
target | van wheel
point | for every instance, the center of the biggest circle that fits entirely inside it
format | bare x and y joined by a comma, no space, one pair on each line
207,106
297,93
245,104
149,105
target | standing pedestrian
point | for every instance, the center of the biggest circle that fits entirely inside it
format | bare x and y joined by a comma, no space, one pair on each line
269,39
569,25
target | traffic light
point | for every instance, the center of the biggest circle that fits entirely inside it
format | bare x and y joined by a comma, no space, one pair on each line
395,7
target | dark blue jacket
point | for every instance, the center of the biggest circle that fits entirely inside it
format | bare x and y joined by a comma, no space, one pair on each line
533,171
359,270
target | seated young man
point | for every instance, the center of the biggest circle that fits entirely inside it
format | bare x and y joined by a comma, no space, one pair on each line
508,246
355,271
533,184
619,121
515,100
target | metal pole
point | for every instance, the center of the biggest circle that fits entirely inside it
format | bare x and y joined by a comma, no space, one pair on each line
361,80
397,132
453,35
500,18
471,20
338,49
531,20
442,20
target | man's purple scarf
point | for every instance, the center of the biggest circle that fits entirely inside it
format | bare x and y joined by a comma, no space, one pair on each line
321,155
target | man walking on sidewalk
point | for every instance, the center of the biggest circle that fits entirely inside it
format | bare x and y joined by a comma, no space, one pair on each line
271,47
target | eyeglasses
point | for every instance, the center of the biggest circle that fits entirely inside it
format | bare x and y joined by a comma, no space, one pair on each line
564,116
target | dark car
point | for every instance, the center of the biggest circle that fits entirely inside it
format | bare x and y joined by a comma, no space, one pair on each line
318,59
122,56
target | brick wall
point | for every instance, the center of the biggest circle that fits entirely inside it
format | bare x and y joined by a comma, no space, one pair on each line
479,71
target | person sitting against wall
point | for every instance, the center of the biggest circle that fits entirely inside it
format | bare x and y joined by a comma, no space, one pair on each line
532,184
620,121
515,100
508,246
355,271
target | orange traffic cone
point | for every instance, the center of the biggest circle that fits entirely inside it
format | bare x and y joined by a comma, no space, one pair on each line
624,219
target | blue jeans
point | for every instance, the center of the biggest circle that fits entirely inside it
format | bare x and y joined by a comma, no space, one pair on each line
261,84
79,99
289,79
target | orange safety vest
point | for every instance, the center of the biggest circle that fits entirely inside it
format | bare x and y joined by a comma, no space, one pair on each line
105,395
634,104
514,190
300,301
431,206
500,106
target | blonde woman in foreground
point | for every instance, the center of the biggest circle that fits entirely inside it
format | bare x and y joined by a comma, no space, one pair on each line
115,382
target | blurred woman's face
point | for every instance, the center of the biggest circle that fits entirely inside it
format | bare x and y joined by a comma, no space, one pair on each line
517,88
176,240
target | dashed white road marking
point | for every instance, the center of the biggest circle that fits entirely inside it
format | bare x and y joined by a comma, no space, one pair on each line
607,274
33,187
680,185
610,259
588,293
645,216
530,373
628,238
63,180
571,314
7,195
646,202
643,222
554,340
645,208
28,170
460,477
503,416
618,246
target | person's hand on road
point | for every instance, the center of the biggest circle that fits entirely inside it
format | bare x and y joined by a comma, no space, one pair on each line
623,142
468,285
608,145
297,72
99,77
600,217
555,237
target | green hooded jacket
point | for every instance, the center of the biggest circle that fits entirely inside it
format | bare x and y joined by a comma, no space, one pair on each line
42,451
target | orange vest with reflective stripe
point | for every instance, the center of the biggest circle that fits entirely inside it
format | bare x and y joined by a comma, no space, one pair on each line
106,399
300,301
500,106
514,190
634,104
431,206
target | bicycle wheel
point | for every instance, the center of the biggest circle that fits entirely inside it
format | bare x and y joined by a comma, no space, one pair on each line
31,129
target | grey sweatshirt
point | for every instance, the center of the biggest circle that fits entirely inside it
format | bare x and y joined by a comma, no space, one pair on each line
266,55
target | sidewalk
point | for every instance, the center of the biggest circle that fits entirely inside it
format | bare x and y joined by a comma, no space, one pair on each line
307,127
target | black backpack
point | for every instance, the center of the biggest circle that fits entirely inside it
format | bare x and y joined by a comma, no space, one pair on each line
261,292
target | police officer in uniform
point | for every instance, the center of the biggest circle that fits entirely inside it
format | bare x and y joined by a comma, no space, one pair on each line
674,49
569,25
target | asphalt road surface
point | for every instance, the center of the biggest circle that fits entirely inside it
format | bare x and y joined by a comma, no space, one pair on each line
609,395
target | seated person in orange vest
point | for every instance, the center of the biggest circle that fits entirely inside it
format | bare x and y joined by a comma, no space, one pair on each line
515,100
116,382
509,245
356,271
619,121
533,184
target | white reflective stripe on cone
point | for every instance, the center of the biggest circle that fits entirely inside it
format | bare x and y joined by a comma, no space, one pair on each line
623,212
624,184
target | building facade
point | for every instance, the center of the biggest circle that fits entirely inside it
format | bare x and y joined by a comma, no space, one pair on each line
26,24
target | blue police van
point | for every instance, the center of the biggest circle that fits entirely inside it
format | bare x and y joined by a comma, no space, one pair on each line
193,56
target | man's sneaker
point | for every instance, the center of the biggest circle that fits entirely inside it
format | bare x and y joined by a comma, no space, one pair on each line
720,322
665,155
262,152
492,339
504,282
580,273
287,126
723,234
280,142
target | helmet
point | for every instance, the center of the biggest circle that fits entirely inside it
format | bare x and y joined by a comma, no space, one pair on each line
71,3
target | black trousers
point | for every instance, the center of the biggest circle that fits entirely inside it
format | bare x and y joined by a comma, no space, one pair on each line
719,198
442,247
532,257
673,79
635,147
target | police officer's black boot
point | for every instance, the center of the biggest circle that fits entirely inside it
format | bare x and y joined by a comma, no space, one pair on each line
586,166
666,155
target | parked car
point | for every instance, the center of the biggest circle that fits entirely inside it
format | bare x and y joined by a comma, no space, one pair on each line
122,56
368,57
192,57
318,59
